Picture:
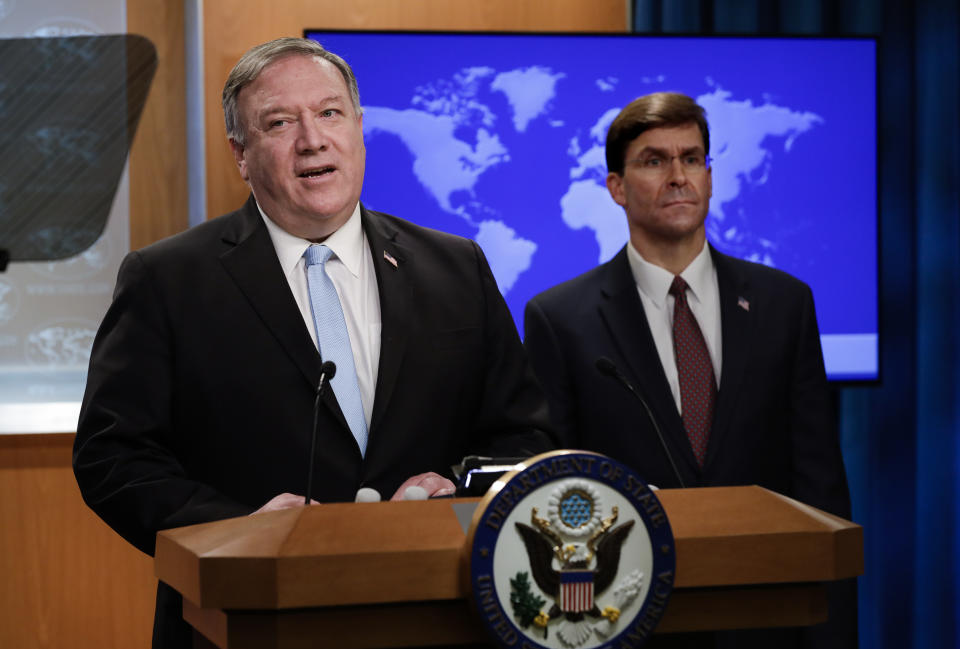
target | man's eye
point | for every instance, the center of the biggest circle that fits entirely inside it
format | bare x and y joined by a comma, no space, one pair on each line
653,163
277,123
330,112
693,161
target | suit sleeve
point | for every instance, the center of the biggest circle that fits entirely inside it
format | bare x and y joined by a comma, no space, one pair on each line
513,418
819,475
548,360
125,457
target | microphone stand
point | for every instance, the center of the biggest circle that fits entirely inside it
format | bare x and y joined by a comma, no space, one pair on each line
327,372
607,368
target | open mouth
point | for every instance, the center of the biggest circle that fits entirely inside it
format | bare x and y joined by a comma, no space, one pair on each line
316,173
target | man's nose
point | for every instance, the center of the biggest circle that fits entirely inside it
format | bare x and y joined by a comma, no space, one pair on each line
311,136
676,174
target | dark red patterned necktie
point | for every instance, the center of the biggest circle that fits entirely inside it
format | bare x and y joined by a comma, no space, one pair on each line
698,388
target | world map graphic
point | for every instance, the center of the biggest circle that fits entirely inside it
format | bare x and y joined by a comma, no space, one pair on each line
501,139
454,138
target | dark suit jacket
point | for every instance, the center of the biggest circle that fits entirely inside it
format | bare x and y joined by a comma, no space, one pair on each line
773,423
200,395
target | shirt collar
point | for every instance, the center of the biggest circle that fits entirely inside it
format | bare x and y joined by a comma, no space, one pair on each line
654,282
346,243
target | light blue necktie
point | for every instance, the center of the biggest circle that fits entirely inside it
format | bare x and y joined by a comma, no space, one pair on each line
334,341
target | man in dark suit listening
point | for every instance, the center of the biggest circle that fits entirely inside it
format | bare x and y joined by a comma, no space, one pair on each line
725,353
200,396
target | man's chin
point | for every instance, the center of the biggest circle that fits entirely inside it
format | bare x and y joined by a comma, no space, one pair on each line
681,230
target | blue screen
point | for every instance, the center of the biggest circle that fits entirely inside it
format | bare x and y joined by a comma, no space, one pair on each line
500,138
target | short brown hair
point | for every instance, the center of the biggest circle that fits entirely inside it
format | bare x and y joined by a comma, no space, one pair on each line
251,64
652,111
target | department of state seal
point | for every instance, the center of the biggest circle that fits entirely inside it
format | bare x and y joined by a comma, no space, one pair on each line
571,551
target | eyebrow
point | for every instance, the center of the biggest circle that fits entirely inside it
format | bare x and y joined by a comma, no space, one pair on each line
280,108
648,150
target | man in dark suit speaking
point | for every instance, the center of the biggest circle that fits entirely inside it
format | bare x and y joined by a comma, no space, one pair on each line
725,353
200,396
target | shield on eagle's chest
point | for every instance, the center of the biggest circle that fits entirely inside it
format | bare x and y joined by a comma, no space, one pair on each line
576,591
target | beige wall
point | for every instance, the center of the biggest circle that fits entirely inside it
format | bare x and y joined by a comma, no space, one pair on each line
66,580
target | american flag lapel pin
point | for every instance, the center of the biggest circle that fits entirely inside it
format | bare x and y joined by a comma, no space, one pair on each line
393,262
743,303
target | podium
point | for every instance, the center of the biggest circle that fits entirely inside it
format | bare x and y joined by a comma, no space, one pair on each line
375,575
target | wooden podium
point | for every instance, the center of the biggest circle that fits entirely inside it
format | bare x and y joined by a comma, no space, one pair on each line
358,576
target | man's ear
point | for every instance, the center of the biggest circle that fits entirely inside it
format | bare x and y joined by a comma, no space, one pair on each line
615,187
238,156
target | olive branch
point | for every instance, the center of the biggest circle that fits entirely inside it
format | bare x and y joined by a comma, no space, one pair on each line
526,605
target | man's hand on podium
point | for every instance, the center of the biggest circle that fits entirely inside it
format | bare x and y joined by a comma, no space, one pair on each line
419,487
434,485
283,501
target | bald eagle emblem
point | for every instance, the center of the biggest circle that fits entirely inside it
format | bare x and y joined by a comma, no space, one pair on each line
574,555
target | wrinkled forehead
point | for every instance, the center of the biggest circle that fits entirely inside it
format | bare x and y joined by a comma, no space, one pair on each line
293,79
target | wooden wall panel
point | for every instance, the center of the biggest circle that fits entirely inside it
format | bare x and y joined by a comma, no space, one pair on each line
231,28
66,579
158,157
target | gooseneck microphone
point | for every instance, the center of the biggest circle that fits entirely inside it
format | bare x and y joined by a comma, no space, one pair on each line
327,371
607,368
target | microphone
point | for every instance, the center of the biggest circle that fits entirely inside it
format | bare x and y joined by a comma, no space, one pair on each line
607,368
414,492
327,371
367,495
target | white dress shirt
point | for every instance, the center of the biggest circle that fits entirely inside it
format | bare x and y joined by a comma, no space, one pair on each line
703,296
352,272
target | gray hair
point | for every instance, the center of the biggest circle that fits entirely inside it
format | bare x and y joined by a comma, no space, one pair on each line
251,64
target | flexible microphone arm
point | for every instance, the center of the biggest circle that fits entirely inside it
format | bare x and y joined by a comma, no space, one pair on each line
607,368
327,371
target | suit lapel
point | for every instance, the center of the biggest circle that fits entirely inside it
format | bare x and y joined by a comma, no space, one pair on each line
622,312
252,263
393,282
737,318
